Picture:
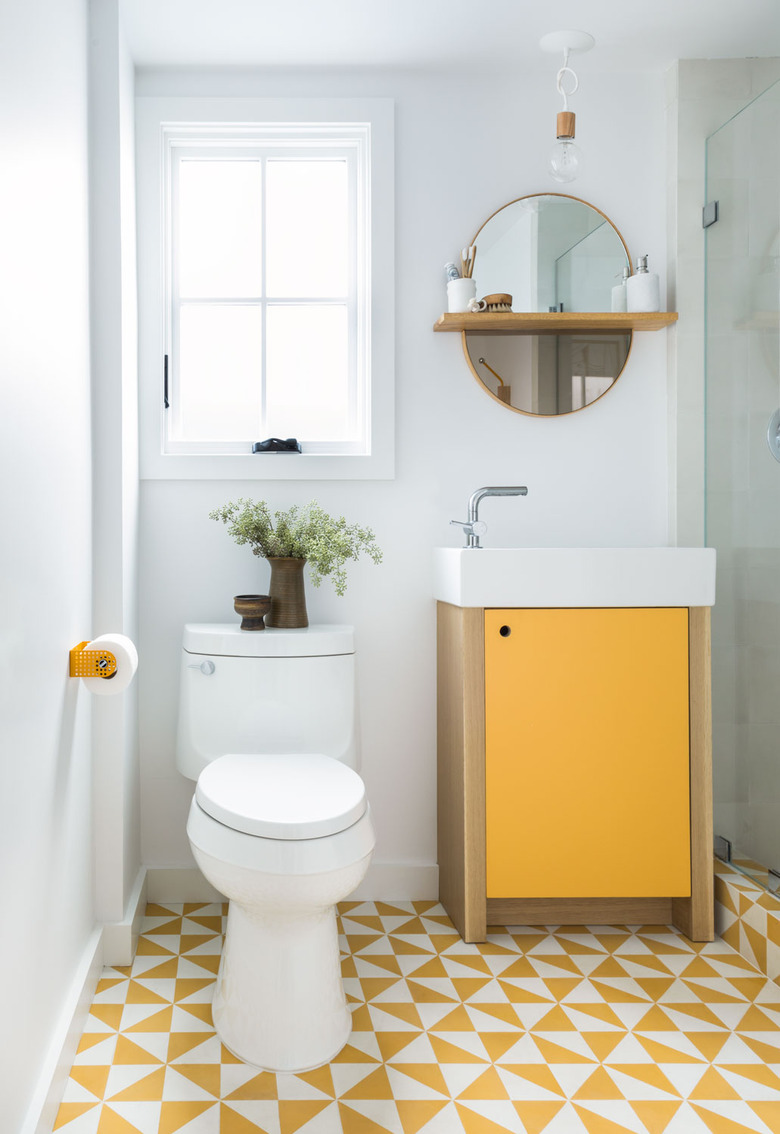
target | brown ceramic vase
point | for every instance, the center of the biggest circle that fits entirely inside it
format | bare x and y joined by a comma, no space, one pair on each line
288,598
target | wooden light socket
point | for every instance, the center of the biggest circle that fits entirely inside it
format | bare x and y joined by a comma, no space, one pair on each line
565,124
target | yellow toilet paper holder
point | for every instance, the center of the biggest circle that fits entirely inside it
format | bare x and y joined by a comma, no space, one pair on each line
91,663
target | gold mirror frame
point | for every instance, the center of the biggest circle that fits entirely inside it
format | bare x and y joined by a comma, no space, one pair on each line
464,334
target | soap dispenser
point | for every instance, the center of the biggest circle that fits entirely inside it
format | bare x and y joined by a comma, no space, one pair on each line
642,289
619,293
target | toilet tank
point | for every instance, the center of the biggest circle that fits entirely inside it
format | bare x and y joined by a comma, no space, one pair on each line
278,691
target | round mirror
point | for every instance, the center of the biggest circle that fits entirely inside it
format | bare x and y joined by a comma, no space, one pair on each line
551,253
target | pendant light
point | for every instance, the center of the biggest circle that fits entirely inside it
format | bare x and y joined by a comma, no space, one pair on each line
565,157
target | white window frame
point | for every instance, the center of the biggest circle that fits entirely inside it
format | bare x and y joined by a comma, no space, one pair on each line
360,128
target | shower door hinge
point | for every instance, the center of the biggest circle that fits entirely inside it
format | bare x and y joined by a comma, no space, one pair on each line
166,403
722,848
709,214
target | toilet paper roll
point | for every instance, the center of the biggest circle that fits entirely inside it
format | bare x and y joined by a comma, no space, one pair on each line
126,664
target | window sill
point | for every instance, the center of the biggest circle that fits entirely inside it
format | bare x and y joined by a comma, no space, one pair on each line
269,466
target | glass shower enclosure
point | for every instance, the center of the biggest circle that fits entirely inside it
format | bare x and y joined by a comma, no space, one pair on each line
743,481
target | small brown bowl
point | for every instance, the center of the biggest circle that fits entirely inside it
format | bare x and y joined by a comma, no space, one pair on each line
252,609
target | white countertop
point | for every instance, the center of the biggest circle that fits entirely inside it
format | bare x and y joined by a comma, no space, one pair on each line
575,576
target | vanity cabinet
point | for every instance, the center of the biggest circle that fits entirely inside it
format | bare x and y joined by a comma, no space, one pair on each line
575,767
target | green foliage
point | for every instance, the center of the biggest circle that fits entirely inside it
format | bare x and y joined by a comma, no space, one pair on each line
299,533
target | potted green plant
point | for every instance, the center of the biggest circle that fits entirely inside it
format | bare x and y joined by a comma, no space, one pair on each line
290,539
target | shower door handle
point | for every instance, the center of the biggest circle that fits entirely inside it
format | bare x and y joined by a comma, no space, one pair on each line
773,435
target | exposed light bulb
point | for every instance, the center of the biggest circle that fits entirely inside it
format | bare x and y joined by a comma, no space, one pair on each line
565,160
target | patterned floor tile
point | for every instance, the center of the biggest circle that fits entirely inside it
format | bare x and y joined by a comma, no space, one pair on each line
747,915
559,1030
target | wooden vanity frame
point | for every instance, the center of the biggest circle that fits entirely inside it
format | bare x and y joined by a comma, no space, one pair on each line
461,797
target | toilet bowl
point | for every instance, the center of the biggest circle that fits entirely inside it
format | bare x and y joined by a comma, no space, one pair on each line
284,835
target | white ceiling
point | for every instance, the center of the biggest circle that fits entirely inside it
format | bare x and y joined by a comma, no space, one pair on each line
474,35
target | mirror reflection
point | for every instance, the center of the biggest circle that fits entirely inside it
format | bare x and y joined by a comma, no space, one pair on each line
547,374
552,253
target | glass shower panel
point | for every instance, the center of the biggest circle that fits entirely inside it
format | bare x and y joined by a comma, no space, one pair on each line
743,479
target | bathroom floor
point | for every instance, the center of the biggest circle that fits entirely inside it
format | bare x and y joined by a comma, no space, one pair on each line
601,1029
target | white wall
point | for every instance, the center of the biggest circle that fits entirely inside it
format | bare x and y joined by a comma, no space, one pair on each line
45,518
115,449
463,148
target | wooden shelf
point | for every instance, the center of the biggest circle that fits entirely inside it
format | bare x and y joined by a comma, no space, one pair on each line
555,322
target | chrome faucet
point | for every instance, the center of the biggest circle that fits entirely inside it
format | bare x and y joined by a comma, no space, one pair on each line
474,527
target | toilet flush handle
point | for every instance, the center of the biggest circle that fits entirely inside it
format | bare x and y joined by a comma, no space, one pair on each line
206,667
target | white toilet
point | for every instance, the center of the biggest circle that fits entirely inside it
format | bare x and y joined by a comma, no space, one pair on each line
280,824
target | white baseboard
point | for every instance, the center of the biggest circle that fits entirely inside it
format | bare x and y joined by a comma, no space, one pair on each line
120,938
113,944
384,882
179,884
400,882
42,1112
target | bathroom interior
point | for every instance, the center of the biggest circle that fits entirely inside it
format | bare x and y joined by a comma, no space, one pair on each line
112,935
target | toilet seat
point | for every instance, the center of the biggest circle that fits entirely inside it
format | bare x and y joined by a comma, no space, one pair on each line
281,796
278,857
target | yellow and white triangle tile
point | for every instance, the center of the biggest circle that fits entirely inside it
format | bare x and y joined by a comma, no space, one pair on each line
597,1029
96,1050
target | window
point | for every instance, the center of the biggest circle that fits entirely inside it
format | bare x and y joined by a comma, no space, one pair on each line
271,311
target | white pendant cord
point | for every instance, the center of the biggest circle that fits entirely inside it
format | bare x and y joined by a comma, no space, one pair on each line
566,70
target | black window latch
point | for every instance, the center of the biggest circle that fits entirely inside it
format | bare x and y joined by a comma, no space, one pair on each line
277,445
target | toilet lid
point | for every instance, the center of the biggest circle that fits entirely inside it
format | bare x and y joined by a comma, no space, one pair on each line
291,796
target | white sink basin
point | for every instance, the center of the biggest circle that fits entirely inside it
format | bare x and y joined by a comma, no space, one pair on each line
575,576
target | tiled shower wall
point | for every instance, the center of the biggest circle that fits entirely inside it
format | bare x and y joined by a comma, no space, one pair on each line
748,919
702,95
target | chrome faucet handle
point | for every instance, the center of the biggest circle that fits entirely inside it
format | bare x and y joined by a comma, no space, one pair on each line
473,529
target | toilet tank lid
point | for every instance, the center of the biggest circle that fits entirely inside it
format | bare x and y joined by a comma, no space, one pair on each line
289,796
228,640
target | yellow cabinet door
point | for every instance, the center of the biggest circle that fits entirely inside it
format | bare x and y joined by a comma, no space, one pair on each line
587,753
